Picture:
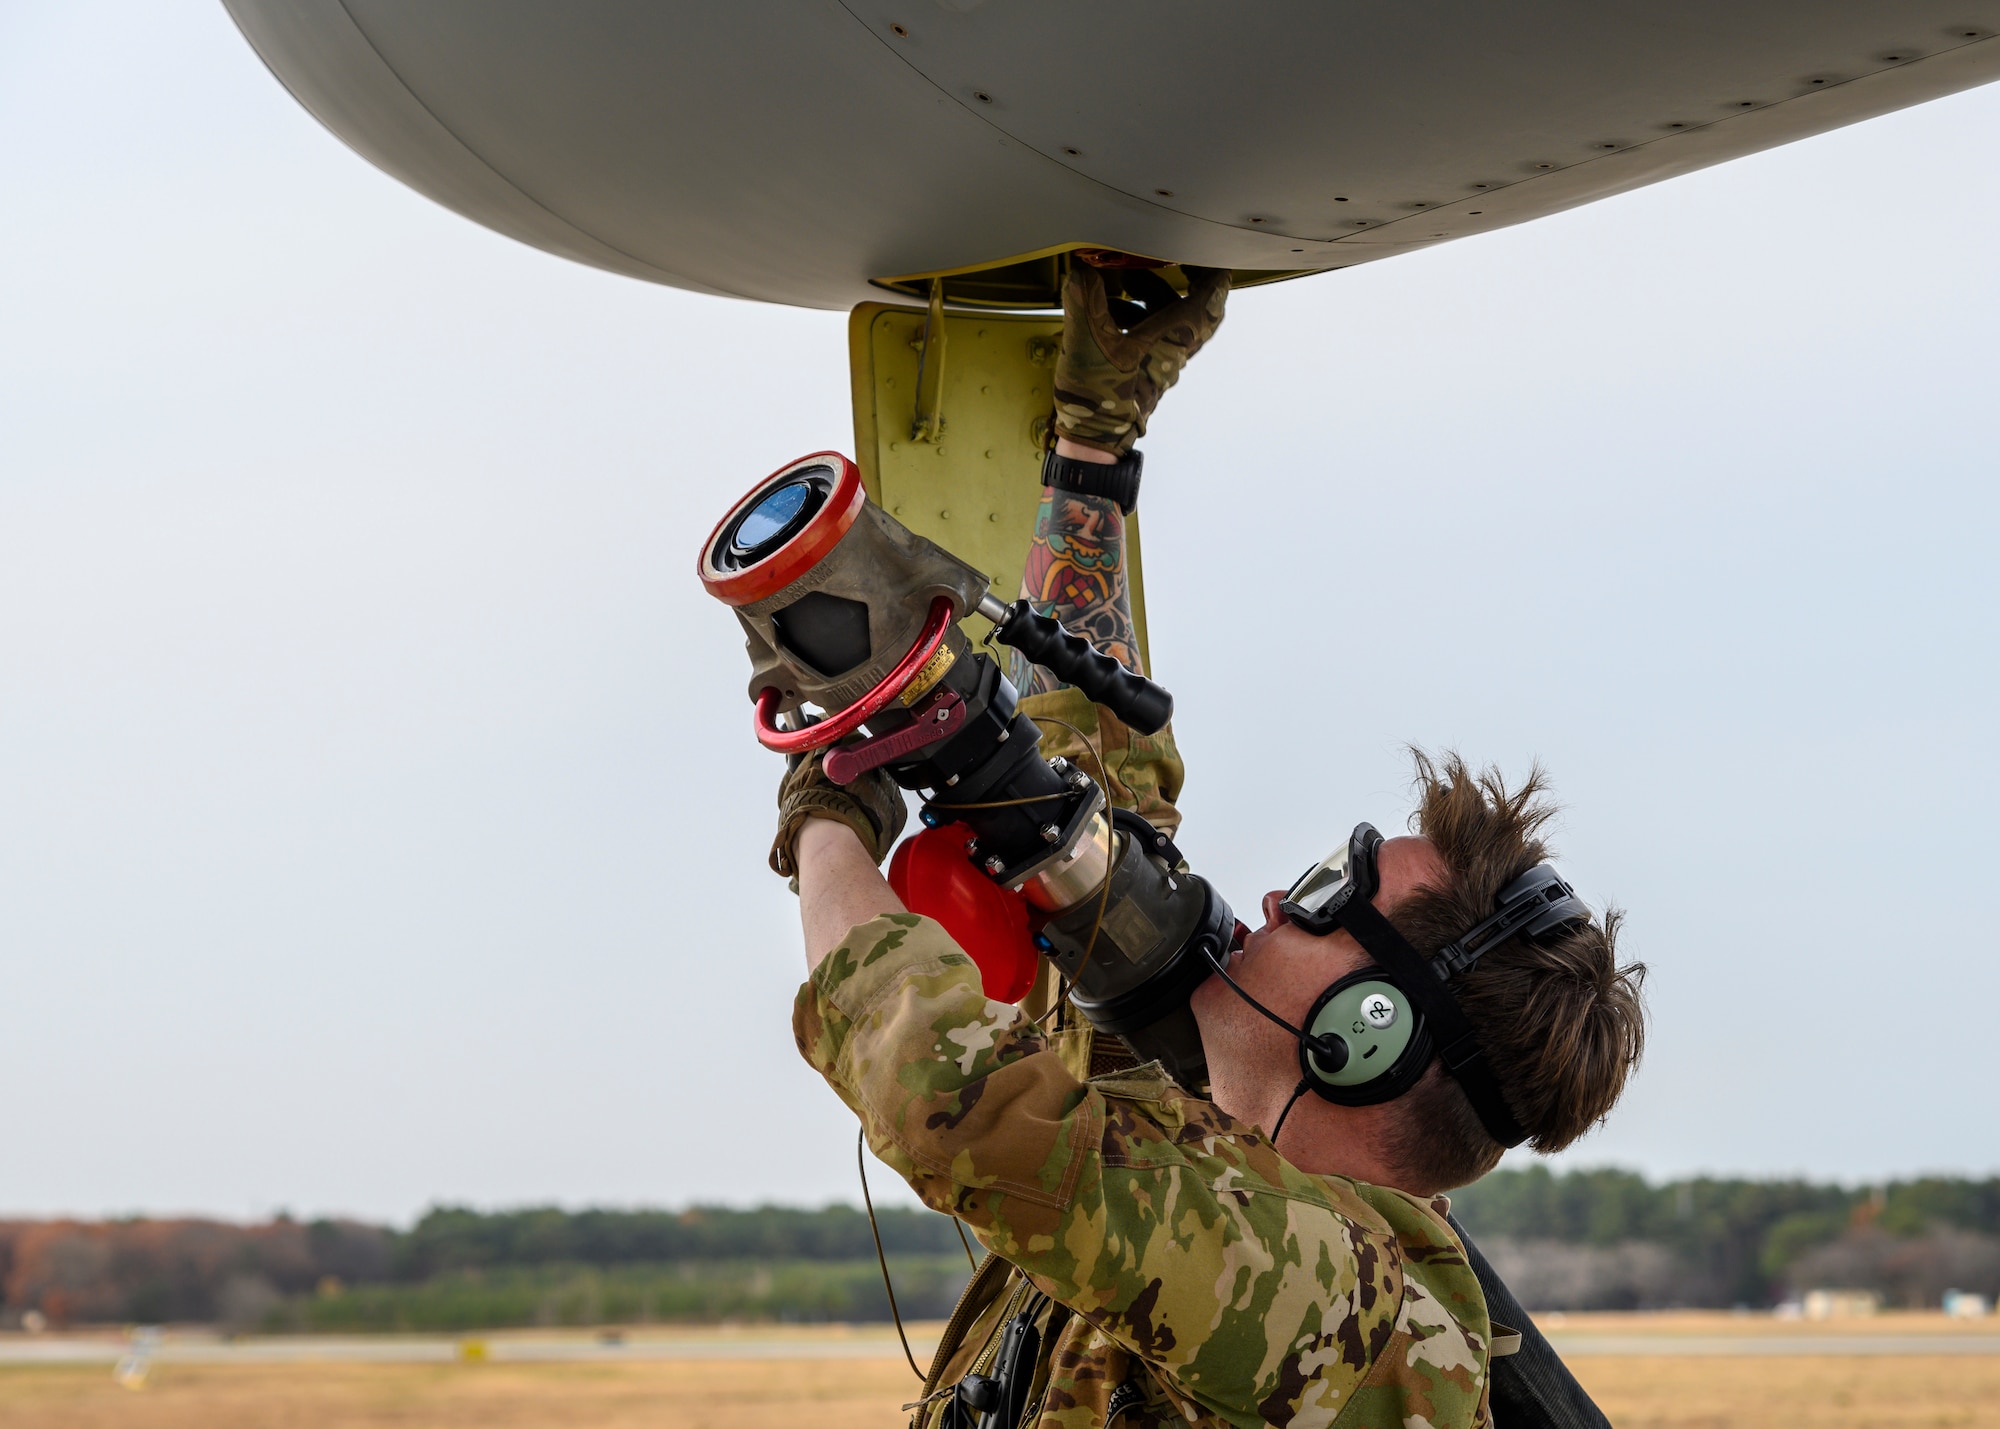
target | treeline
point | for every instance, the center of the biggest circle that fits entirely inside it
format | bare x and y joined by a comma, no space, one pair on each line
1581,1240
1613,1240
457,1268
450,1238
693,1292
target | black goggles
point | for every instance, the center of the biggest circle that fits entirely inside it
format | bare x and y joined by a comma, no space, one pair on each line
1537,905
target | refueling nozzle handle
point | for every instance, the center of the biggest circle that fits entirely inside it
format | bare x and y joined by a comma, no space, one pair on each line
1133,698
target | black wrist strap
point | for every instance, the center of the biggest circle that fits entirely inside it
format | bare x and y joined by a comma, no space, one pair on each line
1118,481
1457,1047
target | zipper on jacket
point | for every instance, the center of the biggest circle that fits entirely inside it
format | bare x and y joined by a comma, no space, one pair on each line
962,1318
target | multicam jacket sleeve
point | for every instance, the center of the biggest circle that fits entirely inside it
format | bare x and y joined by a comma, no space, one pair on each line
1253,1292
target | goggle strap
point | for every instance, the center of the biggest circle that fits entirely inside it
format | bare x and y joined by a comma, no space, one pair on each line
1459,1047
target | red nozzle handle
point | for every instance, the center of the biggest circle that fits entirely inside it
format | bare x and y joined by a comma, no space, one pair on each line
838,726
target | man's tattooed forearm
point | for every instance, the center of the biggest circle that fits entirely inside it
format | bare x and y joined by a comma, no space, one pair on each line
1076,572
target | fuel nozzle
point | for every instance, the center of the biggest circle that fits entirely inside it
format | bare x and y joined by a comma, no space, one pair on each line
847,611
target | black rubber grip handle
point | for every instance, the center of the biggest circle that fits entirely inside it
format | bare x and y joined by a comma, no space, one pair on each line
1133,698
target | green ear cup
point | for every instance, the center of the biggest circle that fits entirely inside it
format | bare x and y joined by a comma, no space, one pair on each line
1375,1020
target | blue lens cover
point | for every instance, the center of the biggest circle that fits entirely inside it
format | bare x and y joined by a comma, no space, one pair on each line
772,515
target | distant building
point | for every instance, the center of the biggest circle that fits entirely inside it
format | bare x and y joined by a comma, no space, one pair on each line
1964,1305
1841,1304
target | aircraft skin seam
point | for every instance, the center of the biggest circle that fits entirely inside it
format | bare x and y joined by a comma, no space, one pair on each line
963,108
487,164
1360,239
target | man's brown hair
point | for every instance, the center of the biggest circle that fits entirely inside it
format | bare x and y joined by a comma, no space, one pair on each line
1561,1022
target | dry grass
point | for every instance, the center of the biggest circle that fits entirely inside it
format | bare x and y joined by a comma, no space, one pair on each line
1668,1324
1825,1392
1830,1391
696,1394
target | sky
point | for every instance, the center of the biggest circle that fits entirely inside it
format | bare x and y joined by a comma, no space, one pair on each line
379,823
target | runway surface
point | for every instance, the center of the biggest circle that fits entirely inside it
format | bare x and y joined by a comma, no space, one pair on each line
1761,1338
1669,1346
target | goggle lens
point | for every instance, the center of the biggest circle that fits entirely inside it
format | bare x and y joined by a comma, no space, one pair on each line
1317,886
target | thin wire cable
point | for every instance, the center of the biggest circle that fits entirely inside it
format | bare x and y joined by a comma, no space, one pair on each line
933,1397
1010,803
1318,1044
861,1137
861,1165
1300,1090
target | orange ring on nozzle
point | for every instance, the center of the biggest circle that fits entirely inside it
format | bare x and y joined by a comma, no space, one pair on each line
796,741
803,551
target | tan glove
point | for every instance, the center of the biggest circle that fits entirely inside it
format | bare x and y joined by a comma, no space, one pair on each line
872,806
1109,379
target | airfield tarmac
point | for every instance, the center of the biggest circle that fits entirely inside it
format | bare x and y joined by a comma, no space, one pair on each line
1674,1371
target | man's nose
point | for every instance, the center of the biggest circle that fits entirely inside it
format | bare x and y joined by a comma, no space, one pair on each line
1272,917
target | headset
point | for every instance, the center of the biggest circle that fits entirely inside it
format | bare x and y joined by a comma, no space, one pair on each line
1371,1035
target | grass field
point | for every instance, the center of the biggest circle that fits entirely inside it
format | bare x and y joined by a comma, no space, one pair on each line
1913,1390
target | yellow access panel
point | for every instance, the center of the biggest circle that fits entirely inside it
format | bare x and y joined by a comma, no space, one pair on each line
950,414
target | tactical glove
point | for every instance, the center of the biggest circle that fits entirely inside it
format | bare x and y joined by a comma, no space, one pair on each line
1115,364
872,806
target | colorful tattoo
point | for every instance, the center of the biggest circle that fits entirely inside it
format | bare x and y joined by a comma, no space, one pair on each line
1076,572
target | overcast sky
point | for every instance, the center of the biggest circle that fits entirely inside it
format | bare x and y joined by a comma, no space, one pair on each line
378,819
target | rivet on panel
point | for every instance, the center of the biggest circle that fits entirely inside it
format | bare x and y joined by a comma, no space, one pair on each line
989,454
1074,153
985,391
944,516
1340,200
1164,193
982,96
1475,213
899,32
993,516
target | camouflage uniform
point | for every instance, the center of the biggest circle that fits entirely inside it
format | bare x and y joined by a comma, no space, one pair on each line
1197,1276
1142,772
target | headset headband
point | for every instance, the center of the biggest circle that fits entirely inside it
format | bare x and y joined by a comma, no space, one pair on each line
1533,906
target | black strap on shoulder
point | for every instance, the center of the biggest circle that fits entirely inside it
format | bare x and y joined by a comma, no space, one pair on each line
1532,1388
1457,1047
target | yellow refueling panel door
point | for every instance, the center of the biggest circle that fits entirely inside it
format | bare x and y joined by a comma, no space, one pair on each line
950,414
